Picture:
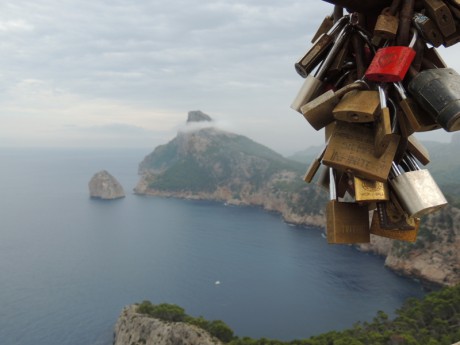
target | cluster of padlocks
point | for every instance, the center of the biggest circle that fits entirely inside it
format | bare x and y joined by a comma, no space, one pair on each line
372,80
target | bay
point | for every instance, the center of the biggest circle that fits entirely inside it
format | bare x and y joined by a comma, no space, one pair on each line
69,264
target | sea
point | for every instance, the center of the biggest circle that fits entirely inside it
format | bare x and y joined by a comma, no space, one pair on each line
69,263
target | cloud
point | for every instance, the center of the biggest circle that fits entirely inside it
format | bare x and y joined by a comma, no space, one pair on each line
146,63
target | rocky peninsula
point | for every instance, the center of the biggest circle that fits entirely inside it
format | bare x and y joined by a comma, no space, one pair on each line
133,328
104,186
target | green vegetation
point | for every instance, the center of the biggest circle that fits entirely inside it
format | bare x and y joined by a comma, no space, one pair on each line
433,320
174,313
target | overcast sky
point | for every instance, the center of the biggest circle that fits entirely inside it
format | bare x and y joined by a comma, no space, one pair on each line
119,73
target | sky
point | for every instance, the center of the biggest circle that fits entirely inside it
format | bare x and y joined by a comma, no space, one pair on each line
119,73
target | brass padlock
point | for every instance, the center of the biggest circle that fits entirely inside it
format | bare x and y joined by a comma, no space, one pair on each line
388,221
386,26
319,50
416,189
441,15
319,111
427,29
417,119
419,151
358,106
346,222
313,84
351,149
369,191
314,166
382,126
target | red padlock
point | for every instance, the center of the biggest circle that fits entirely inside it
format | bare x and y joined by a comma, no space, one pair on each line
390,64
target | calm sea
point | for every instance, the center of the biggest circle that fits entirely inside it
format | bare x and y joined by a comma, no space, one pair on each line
69,264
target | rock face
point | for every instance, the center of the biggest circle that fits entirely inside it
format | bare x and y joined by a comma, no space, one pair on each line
104,186
212,164
198,116
133,328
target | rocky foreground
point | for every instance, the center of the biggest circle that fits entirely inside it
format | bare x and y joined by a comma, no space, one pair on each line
133,328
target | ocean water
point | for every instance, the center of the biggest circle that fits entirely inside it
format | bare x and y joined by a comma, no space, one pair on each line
69,264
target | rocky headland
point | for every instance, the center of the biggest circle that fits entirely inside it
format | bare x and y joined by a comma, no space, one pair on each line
133,328
104,186
212,164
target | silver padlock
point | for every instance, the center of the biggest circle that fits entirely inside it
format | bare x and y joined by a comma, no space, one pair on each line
313,84
417,191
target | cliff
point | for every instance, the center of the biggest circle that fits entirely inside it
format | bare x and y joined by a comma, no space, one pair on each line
434,257
133,328
104,186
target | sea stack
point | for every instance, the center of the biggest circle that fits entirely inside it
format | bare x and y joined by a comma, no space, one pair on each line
104,186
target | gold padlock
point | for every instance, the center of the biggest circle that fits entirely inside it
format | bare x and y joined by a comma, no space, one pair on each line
386,26
382,126
418,150
357,106
388,221
346,222
416,119
319,111
351,149
369,191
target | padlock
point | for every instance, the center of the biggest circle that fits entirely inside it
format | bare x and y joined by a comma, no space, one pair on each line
386,26
358,106
427,29
432,59
452,39
369,191
441,15
314,166
390,64
318,111
313,84
417,119
454,9
325,26
383,131
319,49
418,150
416,189
438,92
340,61
388,221
346,222
351,149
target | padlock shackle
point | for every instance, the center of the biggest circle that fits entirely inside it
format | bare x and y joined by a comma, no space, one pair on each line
400,88
412,161
332,187
323,68
383,97
395,169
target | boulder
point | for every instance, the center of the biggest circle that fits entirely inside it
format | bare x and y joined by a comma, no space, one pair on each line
104,186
